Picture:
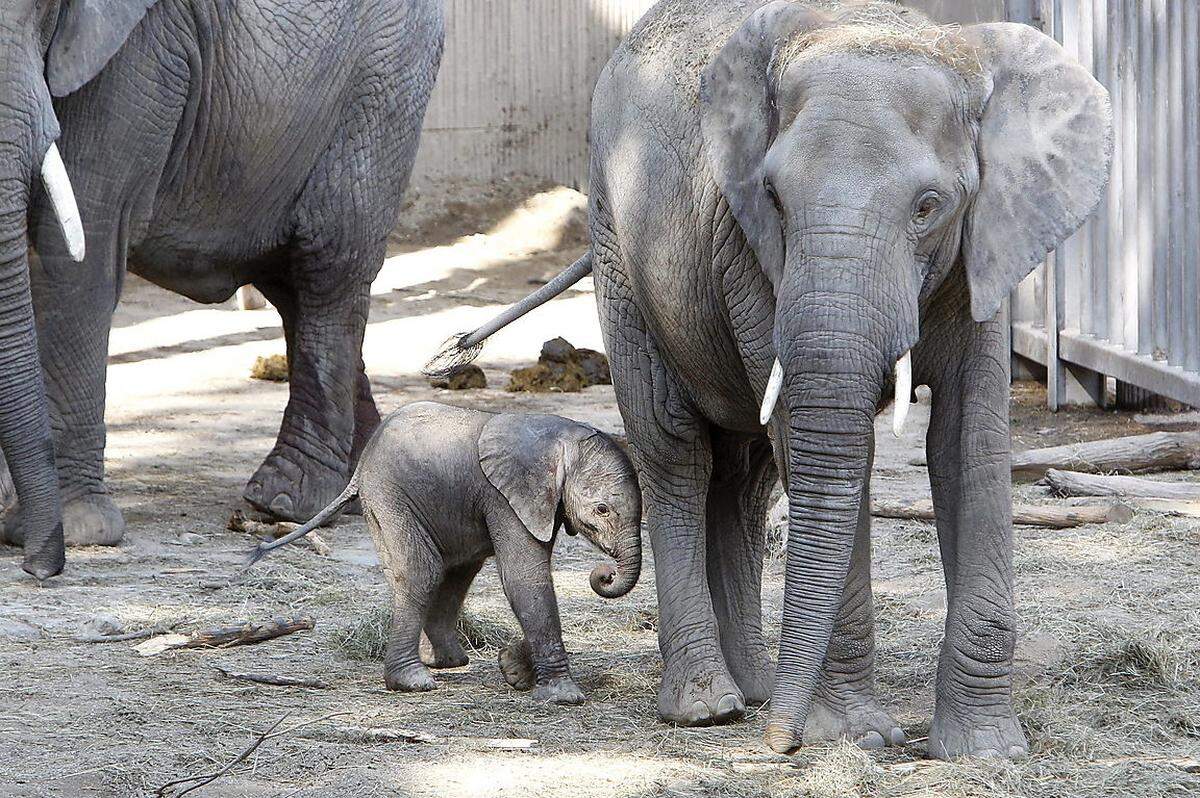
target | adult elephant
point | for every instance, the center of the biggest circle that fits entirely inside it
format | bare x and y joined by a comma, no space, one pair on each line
797,201
212,145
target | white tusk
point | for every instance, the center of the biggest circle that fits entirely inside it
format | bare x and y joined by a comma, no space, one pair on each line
771,396
903,392
62,197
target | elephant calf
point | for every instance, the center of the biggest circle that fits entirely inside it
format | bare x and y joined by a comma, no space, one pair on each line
443,488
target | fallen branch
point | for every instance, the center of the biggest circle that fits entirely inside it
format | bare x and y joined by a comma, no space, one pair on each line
1182,509
270,733
274,679
386,734
227,636
1023,514
1158,451
1073,483
124,637
238,522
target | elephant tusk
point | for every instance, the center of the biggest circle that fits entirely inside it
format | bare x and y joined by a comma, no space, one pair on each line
903,392
774,386
62,198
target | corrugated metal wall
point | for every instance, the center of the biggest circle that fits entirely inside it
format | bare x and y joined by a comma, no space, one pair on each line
1122,297
515,89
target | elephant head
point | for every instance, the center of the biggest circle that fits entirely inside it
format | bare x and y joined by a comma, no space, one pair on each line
555,472
871,158
47,49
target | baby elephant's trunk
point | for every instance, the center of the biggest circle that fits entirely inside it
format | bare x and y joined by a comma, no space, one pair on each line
612,582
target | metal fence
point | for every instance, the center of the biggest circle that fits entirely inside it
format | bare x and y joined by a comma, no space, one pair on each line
515,90
1121,298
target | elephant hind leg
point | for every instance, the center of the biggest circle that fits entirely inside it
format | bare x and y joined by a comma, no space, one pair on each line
738,498
413,569
440,646
670,446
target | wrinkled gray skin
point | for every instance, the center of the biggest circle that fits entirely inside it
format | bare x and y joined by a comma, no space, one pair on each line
211,143
860,206
443,488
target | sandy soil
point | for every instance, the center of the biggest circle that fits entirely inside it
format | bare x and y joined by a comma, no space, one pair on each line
1110,616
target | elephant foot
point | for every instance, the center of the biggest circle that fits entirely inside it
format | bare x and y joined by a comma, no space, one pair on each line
857,717
92,520
559,690
754,675
699,693
1001,737
443,655
292,487
516,664
414,678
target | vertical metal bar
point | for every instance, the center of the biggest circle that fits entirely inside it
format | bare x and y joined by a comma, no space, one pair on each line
1077,286
1162,197
1142,302
1191,169
1096,311
1176,338
1121,33
1123,305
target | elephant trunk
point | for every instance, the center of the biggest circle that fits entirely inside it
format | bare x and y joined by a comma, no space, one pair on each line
24,423
612,582
838,338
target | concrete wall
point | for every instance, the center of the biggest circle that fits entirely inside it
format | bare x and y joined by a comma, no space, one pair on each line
514,94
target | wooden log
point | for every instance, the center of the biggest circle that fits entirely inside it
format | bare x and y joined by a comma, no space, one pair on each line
250,298
1055,517
273,679
1172,507
1157,451
227,636
1074,483
238,522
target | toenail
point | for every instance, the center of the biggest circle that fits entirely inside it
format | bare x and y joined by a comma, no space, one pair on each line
728,706
870,741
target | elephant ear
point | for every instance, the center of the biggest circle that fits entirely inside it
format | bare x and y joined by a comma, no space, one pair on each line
524,457
738,118
1045,147
89,33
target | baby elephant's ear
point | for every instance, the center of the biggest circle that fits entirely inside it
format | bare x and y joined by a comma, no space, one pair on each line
523,456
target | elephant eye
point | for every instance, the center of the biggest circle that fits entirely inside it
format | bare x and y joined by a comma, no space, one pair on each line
769,187
602,509
929,204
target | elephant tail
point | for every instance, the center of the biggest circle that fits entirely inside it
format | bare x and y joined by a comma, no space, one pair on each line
463,348
334,507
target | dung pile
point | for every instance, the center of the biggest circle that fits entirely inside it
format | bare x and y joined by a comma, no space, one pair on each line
273,368
562,367
464,378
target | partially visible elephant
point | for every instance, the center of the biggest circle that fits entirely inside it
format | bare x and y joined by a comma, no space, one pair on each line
443,488
790,202
786,200
211,145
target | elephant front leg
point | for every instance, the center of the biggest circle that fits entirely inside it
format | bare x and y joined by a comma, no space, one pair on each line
311,460
969,470
738,496
846,705
75,304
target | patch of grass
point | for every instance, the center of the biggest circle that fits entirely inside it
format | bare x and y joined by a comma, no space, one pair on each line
845,771
366,638
481,633
1141,660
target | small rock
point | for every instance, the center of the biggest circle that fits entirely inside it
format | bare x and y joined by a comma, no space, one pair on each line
273,368
558,350
13,629
466,378
190,538
103,626
595,367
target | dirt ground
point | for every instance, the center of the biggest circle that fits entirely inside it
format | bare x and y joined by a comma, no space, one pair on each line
1109,652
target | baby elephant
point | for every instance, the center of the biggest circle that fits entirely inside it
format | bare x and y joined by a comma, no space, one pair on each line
444,488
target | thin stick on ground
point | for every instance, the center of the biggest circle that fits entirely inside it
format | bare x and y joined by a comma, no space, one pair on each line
273,679
124,637
227,636
270,733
